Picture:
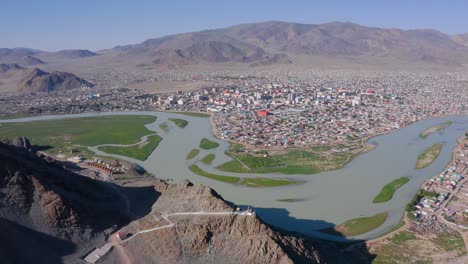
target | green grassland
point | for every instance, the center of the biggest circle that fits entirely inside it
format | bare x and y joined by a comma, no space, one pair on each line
410,247
192,154
208,144
428,156
402,237
208,158
140,152
293,162
228,179
450,242
179,122
62,135
266,182
388,190
394,228
360,225
164,127
248,182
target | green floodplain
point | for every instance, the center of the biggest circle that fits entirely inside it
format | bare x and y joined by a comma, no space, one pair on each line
410,247
164,126
192,154
293,162
208,159
358,226
140,151
428,156
63,136
249,182
386,194
208,144
179,122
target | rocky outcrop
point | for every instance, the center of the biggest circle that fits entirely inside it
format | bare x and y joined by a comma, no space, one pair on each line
46,203
22,142
65,200
20,79
216,239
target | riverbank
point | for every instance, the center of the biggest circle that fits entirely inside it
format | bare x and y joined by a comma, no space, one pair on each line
407,221
447,239
307,213
364,143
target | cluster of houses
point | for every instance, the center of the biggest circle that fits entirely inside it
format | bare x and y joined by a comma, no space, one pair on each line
328,109
113,167
448,191
427,206
444,182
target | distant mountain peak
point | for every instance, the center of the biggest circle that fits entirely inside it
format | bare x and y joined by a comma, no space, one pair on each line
73,54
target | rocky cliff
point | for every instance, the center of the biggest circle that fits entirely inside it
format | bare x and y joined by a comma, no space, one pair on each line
63,214
42,203
216,239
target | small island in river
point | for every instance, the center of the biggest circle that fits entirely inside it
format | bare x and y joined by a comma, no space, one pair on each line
428,156
434,129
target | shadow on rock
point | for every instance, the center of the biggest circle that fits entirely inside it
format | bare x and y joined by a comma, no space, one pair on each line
20,244
347,250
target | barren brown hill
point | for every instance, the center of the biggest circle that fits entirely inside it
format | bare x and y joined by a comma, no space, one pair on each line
279,42
192,48
461,39
19,79
67,54
29,61
272,43
13,55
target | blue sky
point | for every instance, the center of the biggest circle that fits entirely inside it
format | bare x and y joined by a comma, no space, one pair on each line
98,24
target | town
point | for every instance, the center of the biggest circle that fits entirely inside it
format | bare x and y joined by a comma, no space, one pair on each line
444,197
272,109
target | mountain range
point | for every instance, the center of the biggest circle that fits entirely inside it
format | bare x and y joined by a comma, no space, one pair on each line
270,44
263,42
276,42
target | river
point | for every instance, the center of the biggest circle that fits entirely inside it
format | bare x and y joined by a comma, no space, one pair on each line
325,199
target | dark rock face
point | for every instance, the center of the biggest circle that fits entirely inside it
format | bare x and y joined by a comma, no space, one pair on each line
65,200
22,142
